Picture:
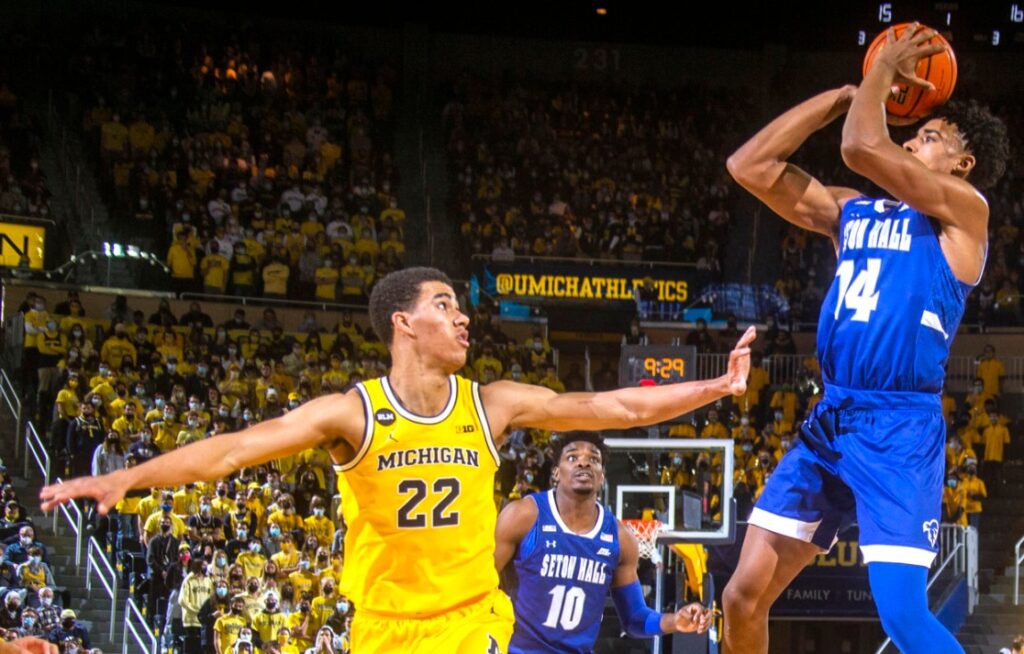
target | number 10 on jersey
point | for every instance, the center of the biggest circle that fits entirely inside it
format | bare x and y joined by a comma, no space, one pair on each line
858,292
566,607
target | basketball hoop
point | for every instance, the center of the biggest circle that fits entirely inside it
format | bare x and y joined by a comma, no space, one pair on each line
646,532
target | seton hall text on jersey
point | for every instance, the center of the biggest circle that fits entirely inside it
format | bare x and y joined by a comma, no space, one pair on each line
424,456
577,568
881,234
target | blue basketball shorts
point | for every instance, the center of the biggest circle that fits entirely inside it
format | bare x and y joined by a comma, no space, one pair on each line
876,458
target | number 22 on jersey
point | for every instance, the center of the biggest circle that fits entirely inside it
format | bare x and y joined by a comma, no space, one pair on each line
858,292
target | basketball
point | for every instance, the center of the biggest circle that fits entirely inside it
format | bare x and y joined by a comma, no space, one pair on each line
914,102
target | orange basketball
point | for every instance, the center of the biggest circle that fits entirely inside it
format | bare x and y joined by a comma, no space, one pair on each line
914,102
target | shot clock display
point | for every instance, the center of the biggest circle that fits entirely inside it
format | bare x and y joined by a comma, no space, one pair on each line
660,364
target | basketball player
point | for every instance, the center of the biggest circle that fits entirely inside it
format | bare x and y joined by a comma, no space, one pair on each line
568,552
872,449
418,450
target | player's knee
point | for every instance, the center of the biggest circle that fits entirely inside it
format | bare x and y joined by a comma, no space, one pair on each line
741,600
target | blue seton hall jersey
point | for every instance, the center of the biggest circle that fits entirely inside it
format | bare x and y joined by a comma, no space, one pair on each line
892,310
564,579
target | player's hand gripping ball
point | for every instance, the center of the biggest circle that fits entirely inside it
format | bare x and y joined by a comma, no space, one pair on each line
909,102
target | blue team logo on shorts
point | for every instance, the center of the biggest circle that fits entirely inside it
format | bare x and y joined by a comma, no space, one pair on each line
931,528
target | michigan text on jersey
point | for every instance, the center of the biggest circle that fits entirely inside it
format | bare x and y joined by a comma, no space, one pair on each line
422,456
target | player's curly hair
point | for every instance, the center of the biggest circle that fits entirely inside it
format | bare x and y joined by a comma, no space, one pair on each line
397,291
984,136
592,437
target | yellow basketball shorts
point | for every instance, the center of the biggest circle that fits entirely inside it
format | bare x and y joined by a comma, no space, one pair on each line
483,627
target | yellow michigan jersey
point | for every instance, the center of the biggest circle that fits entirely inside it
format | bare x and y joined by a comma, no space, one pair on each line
418,501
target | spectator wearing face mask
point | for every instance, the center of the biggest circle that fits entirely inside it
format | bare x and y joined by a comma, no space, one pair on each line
70,629
954,500
284,641
268,621
109,456
318,524
30,624
228,627
340,618
239,518
252,559
219,565
128,425
157,523
196,589
325,604
17,551
676,473
304,580
48,609
84,434
214,607
34,574
192,432
164,549
10,615
12,519
287,559
286,516
301,622
205,527
253,596
976,399
974,489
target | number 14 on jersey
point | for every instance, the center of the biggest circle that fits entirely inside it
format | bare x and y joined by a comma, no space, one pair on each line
857,289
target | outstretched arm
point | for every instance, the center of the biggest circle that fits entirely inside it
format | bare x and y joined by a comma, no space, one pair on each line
315,423
510,404
637,618
868,150
761,165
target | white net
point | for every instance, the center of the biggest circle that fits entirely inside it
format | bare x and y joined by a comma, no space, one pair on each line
646,532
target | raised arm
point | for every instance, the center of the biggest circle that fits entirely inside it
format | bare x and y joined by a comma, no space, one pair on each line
317,423
510,404
868,150
761,166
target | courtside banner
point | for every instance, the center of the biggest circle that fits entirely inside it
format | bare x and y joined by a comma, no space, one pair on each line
18,241
548,281
834,585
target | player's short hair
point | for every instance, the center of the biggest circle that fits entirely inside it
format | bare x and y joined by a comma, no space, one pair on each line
398,291
592,437
984,136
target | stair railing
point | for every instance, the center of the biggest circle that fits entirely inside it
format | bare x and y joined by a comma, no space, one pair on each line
74,518
135,624
13,402
97,563
36,451
1018,558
